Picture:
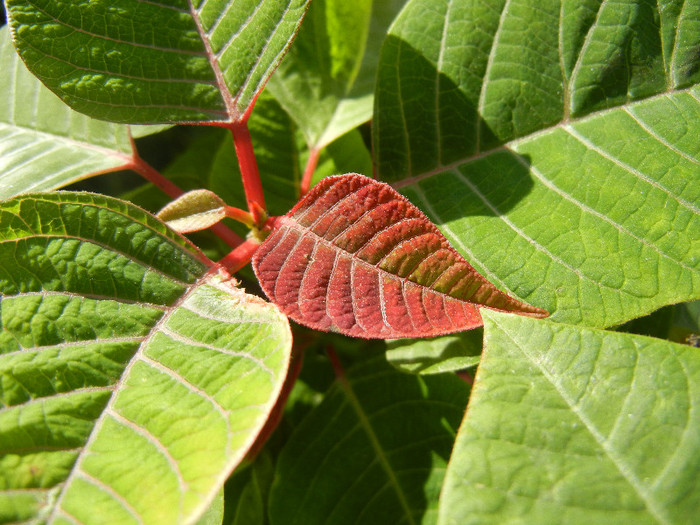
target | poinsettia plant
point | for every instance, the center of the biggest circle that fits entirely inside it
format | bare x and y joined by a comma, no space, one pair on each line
398,175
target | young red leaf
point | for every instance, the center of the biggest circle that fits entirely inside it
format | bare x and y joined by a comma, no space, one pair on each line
356,257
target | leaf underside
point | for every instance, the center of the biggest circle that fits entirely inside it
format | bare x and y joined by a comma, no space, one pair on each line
356,257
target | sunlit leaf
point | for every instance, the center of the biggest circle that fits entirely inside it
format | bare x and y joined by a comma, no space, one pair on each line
148,62
44,144
354,256
554,144
572,425
130,375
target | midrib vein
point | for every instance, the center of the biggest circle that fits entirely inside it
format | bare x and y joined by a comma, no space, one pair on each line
377,447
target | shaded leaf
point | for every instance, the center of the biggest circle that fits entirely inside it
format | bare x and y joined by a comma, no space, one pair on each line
354,256
44,144
374,451
193,211
146,62
326,81
571,425
247,492
315,79
553,145
130,374
435,355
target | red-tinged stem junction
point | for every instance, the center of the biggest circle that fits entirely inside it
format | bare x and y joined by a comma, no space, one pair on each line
239,256
249,171
308,175
239,215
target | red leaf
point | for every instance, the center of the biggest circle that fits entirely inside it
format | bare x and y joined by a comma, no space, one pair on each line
356,257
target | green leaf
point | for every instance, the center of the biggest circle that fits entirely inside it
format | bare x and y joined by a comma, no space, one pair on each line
574,425
247,492
554,146
434,355
44,144
326,81
214,515
146,62
130,374
374,451
314,82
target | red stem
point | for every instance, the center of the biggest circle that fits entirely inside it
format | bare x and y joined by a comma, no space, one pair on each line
335,363
227,235
249,171
311,164
239,256
152,175
172,190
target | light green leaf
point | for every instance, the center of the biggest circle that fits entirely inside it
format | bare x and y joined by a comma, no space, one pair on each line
149,62
129,375
574,425
434,355
44,144
553,144
214,515
374,451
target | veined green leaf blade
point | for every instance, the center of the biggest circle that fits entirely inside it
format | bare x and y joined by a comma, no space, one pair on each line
576,425
167,374
582,206
44,144
148,63
373,451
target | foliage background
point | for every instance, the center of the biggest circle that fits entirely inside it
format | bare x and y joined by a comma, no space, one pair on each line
562,163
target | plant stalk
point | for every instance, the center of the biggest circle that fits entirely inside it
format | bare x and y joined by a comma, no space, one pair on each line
239,256
249,171
308,175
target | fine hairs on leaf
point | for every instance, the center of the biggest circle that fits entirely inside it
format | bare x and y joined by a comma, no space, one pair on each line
202,321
